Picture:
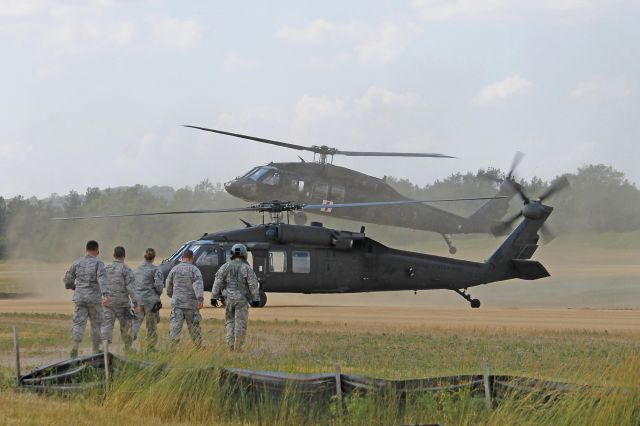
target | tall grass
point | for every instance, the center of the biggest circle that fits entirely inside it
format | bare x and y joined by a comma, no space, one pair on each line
175,390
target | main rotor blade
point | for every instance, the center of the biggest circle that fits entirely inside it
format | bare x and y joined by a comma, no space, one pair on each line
230,210
392,203
558,185
253,138
322,149
392,154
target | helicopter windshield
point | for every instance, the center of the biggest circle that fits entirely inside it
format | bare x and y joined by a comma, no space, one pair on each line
178,253
261,173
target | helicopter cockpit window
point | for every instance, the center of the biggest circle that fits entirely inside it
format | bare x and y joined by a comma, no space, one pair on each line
209,258
277,261
250,171
259,173
272,178
178,253
301,262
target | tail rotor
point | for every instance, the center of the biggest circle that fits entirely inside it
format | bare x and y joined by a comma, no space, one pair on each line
531,208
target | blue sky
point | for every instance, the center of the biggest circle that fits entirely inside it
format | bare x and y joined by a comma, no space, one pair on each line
93,92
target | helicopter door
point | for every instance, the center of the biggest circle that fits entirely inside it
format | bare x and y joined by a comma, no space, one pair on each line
259,266
207,259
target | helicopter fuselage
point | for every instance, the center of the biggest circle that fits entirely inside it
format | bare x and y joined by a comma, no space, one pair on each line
314,259
315,183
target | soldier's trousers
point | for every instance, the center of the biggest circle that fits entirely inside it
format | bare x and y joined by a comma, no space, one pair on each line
192,318
111,313
236,316
82,313
153,318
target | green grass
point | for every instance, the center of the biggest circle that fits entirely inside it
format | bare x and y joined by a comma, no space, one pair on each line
190,390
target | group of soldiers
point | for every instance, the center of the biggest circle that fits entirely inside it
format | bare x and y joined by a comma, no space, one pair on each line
103,294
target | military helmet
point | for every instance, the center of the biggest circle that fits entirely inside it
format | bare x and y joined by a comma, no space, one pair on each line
239,250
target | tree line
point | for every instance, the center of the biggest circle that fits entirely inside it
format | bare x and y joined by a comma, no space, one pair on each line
600,199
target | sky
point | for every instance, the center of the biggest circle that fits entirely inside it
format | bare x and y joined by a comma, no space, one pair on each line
94,92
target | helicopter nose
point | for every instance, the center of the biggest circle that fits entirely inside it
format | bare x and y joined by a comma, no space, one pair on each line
240,188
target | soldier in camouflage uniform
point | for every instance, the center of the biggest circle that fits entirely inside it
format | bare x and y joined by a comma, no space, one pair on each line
185,287
149,285
86,277
238,285
120,294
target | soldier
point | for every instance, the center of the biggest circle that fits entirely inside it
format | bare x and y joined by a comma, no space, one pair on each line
118,297
86,277
149,285
238,285
186,290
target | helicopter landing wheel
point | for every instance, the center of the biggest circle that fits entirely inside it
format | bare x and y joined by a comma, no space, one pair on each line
263,299
475,303
447,239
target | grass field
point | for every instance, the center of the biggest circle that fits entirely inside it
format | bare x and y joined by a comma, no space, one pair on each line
600,358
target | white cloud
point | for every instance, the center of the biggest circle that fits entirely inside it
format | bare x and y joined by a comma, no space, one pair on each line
178,33
320,31
390,39
502,90
74,37
234,61
366,42
599,88
21,8
513,9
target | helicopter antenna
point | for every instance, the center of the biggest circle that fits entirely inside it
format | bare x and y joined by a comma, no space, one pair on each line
323,152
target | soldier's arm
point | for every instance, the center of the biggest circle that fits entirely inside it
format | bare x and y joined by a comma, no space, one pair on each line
170,284
218,284
157,280
102,278
130,284
198,284
254,285
70,276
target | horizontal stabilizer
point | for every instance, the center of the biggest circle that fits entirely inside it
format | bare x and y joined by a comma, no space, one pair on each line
529,269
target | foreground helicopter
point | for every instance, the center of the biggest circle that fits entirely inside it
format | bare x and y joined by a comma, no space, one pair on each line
313,259
321,182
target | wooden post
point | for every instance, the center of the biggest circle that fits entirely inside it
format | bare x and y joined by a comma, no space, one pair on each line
16,346
105,350
487,387
338,392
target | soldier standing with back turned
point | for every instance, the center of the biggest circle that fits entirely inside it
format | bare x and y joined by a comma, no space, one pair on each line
149,285
185,287
238,284
117,298
87,278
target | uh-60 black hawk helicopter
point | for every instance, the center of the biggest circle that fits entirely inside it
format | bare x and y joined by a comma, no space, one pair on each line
322,182
311,259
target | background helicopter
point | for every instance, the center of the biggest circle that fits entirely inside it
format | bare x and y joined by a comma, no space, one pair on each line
313,259
321,182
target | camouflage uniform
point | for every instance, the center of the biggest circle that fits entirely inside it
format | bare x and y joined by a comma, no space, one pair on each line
121,293
186,289
238,284
87,277
149,286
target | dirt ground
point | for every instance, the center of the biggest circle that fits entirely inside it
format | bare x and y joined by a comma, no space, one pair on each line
280,309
